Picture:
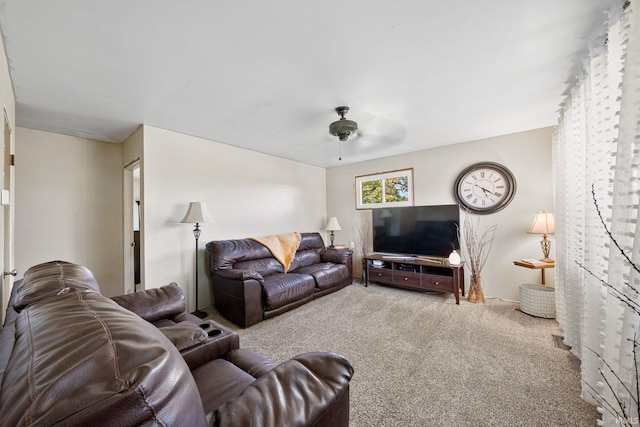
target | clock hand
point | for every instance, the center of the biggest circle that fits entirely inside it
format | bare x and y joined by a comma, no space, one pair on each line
484,189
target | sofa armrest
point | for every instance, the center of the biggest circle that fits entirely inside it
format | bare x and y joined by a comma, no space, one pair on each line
238,300
237,274
215,346
252,363
154,304
300,392
184,335
336,256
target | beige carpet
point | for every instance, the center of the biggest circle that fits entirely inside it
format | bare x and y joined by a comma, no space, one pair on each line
421,360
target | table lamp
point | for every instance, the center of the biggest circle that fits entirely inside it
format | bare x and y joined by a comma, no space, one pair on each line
544,224
332,226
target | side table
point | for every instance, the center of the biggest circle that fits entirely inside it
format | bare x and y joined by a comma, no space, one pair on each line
537,266
537,299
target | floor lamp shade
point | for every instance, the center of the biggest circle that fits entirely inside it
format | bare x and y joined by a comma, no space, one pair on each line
197,213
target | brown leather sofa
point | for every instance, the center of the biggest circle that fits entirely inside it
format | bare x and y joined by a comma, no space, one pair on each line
70,356
250,285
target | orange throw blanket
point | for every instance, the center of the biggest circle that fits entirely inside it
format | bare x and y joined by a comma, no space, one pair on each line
283,247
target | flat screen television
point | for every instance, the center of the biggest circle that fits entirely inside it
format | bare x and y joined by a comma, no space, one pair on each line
416,230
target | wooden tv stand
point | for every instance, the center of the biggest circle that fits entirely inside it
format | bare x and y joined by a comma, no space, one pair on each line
417,273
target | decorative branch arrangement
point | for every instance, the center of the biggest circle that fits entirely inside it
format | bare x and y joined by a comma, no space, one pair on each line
475,250
477,245
364,236
363,230
625,414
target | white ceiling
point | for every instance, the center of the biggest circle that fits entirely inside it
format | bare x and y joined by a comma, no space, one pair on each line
267,75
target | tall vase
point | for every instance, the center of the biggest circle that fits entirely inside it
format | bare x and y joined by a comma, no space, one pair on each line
364,271
475,290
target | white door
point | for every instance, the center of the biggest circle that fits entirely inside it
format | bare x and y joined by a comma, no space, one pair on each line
6,212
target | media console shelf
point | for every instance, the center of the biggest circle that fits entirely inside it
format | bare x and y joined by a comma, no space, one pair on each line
419,274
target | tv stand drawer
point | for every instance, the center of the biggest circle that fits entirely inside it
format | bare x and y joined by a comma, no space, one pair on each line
440,283
381,275
406,278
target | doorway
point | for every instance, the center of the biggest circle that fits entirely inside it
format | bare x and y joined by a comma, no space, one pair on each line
133,265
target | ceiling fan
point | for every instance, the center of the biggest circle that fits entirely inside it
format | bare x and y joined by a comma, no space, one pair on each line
343,128
381,131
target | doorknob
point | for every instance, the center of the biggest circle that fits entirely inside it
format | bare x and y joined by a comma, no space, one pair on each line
13,273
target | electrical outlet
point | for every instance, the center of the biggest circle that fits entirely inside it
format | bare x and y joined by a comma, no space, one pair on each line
352,245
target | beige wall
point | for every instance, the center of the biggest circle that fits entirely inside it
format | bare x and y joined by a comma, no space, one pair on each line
69,204
526,154
247,194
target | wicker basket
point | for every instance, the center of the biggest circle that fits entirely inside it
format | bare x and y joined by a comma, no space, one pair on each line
538,300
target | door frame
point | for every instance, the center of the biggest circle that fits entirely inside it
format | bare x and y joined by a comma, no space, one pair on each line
8,207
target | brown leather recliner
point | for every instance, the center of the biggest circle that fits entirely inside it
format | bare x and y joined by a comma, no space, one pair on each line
70,356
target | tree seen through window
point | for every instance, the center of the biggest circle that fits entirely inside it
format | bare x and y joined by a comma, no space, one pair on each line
395,190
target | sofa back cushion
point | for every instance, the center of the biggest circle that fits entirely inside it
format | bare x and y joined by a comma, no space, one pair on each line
247,254
311,241
263,266
225,254
309,251
52,279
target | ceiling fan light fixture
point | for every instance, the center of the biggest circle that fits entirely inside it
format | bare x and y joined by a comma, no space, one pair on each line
343,128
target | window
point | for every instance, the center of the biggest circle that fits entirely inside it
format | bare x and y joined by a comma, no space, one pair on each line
386,189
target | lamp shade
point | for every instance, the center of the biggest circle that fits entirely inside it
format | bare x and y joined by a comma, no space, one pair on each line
333,225
197,213
543,223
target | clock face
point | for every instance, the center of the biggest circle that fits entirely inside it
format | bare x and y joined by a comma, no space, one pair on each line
485,187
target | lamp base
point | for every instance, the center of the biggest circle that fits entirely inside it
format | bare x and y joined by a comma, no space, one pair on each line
201,314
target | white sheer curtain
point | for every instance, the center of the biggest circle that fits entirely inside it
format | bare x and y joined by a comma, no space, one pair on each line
597,185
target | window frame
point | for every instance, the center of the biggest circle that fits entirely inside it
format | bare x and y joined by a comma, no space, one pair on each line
382,176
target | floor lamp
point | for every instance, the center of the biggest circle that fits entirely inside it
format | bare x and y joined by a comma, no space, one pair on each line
197,213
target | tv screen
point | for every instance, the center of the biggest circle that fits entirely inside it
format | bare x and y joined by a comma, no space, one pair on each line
416,230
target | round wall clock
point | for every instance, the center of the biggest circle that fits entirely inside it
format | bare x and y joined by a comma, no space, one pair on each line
485,187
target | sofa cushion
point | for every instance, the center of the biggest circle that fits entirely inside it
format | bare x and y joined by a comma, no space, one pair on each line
326,274
52,279
281,289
